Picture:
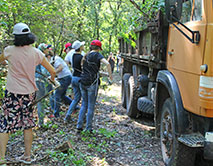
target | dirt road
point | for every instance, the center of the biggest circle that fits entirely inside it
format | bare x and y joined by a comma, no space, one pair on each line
117,140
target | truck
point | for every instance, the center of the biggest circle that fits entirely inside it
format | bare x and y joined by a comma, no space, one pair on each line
168,75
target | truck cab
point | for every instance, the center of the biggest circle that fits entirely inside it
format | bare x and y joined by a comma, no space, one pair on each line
169,75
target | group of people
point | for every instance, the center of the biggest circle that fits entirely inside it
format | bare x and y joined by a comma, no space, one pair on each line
112,60
27,68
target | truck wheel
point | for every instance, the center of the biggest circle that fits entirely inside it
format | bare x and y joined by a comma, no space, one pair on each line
174,153
132,96
123,87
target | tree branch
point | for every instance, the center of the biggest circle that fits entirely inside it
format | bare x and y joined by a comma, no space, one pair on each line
138,7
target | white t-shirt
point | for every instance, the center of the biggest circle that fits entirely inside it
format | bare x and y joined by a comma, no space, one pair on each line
65,71
69,56
22,62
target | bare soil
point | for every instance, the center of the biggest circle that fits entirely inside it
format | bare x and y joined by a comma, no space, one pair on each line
116,140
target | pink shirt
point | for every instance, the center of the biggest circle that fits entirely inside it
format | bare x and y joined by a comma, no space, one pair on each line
22,62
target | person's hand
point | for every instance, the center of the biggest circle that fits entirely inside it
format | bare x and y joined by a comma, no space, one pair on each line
54,82
110,78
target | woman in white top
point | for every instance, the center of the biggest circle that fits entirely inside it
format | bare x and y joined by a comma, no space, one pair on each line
17,113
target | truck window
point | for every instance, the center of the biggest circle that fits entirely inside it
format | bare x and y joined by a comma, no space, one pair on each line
186,11
197,13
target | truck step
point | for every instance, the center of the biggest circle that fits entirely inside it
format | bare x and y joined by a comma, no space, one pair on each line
194,140
145,105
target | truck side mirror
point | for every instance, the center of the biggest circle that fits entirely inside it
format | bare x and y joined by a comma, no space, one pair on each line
173,10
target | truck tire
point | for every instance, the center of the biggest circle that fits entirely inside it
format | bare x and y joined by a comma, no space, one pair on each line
123,87
132,96
174,153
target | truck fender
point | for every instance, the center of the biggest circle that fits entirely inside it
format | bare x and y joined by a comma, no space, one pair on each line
167,82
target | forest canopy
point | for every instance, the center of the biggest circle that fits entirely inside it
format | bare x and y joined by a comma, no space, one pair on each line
59,21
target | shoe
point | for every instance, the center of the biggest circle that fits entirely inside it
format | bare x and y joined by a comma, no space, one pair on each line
79,130
3,162
25,159
51,116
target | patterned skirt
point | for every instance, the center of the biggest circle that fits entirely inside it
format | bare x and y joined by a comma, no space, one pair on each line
16,113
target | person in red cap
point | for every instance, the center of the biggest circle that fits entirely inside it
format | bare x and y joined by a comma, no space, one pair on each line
89,83
68,47
69,51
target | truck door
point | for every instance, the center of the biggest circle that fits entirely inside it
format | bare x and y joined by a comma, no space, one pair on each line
184,58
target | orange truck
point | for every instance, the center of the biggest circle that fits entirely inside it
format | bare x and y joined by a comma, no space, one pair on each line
169,75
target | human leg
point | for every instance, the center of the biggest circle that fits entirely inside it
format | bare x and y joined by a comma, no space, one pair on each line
66,81
28,139
84,106
3,143
57,103
77,96
40,105
51,96
91,105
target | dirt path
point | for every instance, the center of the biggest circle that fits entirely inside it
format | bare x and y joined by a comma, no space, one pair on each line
117,139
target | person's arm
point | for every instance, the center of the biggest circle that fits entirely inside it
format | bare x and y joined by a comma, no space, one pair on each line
108,58
49,68
59,69
103,60
67,62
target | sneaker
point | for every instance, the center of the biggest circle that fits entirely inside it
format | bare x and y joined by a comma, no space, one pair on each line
51,116
79,130
3,162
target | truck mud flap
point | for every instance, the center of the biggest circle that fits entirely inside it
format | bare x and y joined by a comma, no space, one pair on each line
145,105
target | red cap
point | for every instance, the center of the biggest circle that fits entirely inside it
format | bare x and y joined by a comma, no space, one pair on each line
67,45
96,43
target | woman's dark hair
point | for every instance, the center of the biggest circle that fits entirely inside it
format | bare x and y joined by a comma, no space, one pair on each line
92,47
26,39
78,50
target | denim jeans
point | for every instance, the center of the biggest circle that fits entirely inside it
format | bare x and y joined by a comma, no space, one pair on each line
77,95
40,105
60,94
89,95
49,87
42,90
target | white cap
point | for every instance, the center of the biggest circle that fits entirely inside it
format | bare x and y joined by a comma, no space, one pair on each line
77,44
21,29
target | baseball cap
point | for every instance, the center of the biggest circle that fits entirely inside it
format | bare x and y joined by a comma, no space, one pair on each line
21,29
77,44
96,43
67,45
43,46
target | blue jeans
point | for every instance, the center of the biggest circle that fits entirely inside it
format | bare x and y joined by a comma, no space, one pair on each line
77,95
40,105
89,95
60,94
51,96
42,90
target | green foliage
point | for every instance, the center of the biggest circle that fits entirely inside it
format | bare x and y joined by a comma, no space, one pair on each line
106,133
70,158
59,21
